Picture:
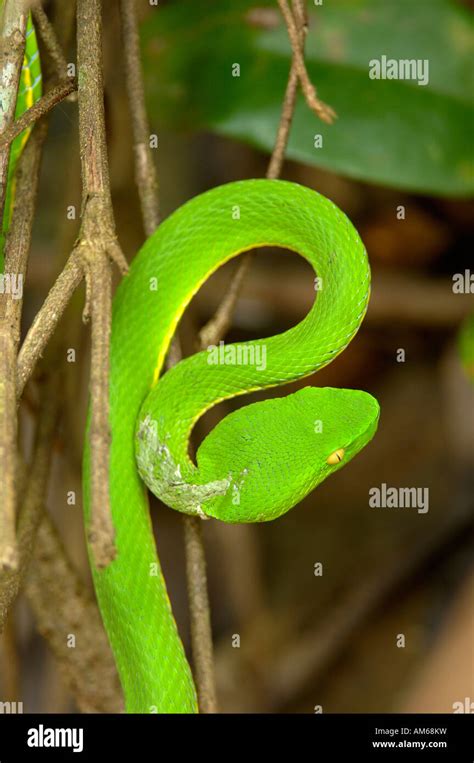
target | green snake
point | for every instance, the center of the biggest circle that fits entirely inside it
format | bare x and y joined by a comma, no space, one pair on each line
259,461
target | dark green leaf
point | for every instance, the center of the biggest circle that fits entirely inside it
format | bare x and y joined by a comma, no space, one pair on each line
394,132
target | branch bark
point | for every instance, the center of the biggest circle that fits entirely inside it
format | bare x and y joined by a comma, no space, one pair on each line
97,245
50,42
16,257
31,509
145,171
11,59
47,102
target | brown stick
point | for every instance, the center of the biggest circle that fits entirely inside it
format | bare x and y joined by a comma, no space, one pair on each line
63,607
145,171
322,110
50,41
30,513
289,100
199,609
8,433
12,47
39,109
47,319
16,256
97,243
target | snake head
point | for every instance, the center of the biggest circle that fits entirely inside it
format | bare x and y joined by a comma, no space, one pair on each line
287,446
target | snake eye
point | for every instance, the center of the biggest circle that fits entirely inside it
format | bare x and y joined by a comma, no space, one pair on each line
336,457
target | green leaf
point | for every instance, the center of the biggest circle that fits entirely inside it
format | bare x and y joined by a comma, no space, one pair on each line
392,132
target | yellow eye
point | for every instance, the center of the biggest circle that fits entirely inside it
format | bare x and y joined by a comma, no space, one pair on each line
336,457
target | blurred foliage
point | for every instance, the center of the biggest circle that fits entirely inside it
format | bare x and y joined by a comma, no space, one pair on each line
392,132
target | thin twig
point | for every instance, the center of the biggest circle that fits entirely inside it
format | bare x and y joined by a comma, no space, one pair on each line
8,433
63,607
289,101
145,171
50,41
47,319
322,110
218,325
39,109
199,610
16,256
31,509
96,247
12,47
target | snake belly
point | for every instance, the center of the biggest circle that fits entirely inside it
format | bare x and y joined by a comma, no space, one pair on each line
257,462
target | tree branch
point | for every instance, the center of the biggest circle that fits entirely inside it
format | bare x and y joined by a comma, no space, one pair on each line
293,24
16,256
62,606
12,48
145,171
50,41
97,245
47,319
31,509
39,109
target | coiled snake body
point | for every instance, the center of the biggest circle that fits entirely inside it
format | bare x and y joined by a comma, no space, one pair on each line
257,462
